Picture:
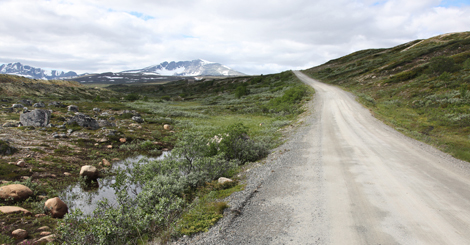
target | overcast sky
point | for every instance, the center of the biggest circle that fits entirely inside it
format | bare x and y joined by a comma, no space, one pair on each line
251,36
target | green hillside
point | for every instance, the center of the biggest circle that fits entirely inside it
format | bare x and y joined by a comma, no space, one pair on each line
420,88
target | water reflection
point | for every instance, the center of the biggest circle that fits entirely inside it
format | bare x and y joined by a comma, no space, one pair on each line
86,198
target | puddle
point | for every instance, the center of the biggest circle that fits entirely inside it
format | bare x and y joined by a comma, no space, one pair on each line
87,200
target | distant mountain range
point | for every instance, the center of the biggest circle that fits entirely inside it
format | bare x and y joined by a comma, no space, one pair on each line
34,73
166,71
189,68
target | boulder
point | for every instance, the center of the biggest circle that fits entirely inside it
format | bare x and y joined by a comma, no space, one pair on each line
223,180
45,240
106,123
19,106
43,228
106,163
72,108
45,233
10,124
122,140
21,163
90,172
14,210
84,121
137,119
39,105
96,109
55,207
56,104
167,127
36,118
16,191
26,102
19,234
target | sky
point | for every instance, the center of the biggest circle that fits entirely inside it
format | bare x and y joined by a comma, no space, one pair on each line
250,36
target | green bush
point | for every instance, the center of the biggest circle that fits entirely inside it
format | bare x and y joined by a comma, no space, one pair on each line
132,97
441,64
288,102
241,91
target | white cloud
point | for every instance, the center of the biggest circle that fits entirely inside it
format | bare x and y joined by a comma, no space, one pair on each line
250,36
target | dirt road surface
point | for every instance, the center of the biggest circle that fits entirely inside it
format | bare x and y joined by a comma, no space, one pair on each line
346,178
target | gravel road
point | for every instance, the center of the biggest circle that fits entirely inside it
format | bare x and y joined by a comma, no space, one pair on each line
344,177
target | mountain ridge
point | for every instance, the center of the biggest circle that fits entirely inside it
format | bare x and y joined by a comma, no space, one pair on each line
34,73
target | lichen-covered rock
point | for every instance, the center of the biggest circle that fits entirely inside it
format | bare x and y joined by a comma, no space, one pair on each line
19,106
55,207
39,105
36,118
17,192
90,172
84,121
137,119
72,108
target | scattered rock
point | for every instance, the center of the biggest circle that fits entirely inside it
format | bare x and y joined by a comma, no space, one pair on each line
43,228
102,140
39,215
135,125
165,149
14,210
45,240
25,177
138,119
106,123
67,174
96,109
106,163
56,104
57,136
16,191
21,163
42,197
39,105
72,108
56,207
20,106
90,172
157,143
167,127
222,180
19,234
26,102
37,175
84,121
122,140
69,131
10,124
36,118
115,159
45,233
109,146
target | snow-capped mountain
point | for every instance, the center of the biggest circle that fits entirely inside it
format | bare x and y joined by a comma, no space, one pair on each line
188,68
34,73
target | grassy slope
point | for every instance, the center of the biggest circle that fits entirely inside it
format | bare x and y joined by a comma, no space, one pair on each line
405,87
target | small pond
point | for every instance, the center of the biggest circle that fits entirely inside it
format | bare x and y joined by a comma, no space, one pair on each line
76,196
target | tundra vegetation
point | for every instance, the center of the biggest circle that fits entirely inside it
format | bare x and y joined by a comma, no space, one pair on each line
420,88
213,128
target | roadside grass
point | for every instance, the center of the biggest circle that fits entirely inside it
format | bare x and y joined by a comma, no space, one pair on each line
420,90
